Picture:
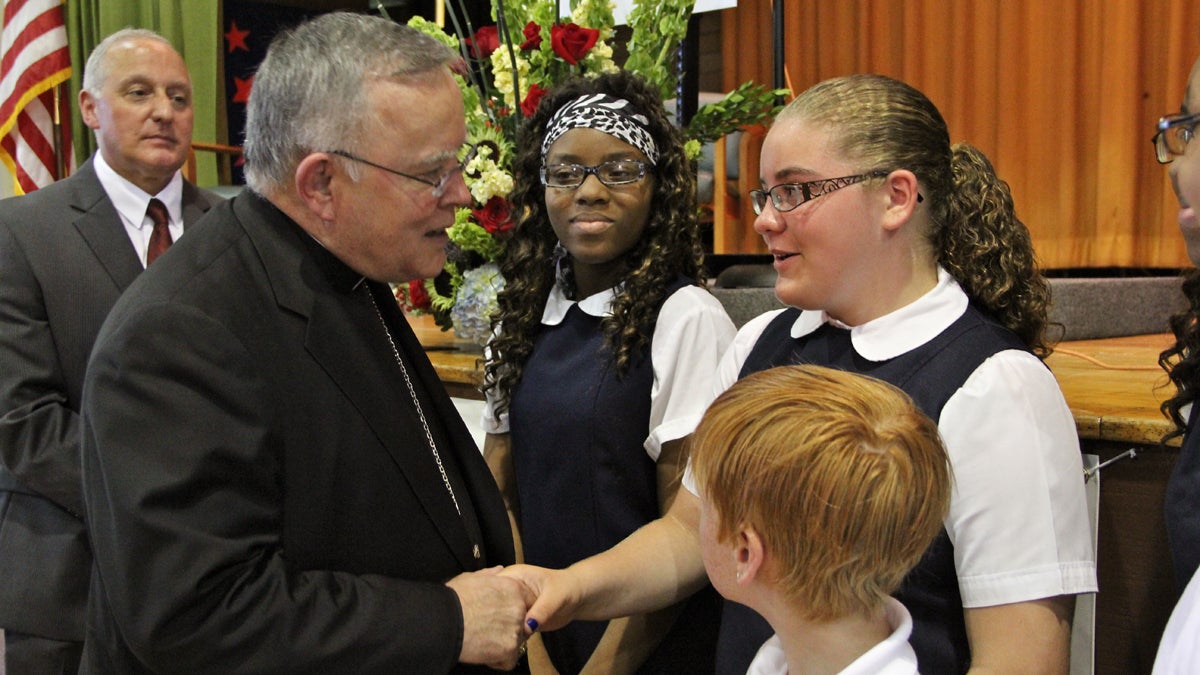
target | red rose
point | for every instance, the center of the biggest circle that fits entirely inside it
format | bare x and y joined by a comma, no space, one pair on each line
486,41
533,37
495,216
530,104
572,41
413,296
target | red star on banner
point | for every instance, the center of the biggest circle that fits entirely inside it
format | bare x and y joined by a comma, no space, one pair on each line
236,38
242,95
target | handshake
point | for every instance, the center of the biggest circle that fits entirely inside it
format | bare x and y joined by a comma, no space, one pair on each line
503,607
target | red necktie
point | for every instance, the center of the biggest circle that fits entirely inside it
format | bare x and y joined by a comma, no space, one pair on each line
160,238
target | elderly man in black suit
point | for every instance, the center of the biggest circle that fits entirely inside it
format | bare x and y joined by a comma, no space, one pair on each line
275,478
66,252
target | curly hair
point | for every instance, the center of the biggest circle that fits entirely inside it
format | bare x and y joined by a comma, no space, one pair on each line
973,228
1182,359
669,247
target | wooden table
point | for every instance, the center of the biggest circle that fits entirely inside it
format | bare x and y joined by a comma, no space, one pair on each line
1114,388
458,362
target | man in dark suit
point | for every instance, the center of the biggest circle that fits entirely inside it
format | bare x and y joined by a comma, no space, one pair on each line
275,478
66,253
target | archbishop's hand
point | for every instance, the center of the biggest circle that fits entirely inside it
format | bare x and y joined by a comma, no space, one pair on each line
493,609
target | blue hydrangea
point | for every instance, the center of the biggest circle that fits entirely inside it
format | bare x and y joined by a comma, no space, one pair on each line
476,302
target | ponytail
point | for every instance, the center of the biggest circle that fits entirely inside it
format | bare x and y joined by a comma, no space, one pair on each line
988,250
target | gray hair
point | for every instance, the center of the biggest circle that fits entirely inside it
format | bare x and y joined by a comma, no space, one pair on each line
309,92
95,71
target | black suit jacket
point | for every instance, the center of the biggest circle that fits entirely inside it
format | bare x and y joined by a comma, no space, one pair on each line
64,259
260,493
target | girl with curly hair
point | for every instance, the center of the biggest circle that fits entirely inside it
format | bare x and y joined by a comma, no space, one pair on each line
604,350
901,258
1182,359
1178,652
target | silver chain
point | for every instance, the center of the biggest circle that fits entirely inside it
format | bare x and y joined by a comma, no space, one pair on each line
412,392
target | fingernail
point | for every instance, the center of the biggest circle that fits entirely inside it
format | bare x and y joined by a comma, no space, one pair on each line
532,623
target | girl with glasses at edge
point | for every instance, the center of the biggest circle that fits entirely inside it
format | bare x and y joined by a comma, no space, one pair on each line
604,354
1178,652
902,258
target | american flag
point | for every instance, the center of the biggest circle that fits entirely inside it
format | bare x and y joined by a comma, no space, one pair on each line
34,60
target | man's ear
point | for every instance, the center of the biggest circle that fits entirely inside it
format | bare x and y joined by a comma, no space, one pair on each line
903,195
87,109
314,185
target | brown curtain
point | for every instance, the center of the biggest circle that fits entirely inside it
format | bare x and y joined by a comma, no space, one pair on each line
1061,95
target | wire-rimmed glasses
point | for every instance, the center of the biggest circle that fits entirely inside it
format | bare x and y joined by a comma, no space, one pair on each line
438,185
1173,135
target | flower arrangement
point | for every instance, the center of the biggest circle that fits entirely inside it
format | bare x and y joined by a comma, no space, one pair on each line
504,72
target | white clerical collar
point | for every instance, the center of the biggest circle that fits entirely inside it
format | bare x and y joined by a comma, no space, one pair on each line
904,329
130,200
597,304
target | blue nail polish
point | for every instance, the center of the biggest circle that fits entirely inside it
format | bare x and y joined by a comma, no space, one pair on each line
533,624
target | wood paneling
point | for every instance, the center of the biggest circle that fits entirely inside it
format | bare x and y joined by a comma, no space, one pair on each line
1062,96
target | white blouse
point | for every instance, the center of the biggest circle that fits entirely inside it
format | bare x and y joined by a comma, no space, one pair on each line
1018,515
690,335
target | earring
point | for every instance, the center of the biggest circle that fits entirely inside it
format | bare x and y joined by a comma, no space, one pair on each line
737,575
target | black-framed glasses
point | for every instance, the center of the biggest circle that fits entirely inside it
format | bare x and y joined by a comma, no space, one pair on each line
787,196
439,185
616,172
1173,135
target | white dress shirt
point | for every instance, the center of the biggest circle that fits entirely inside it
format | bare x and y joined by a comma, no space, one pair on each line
131,201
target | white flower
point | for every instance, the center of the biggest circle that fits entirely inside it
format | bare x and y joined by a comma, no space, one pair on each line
492,182
502,73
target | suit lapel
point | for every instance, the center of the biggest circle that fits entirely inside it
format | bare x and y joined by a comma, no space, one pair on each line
194,204
345,339
100,225
354,359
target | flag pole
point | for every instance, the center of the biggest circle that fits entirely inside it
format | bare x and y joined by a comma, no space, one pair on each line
60,164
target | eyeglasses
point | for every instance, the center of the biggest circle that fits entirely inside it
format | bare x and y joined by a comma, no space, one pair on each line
439,185
1174,133
787,196
616,172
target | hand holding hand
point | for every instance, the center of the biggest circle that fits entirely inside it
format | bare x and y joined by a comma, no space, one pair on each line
493,608
557,600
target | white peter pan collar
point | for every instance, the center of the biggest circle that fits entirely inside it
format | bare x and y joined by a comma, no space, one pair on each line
903,330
